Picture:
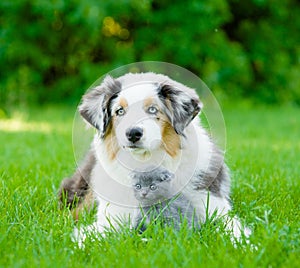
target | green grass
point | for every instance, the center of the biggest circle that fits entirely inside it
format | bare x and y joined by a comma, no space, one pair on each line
263,152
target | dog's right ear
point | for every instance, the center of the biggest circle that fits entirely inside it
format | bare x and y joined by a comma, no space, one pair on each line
180,106
95,107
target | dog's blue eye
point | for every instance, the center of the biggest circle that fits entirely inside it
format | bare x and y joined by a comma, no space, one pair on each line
138,186
152,110
153,187
120,111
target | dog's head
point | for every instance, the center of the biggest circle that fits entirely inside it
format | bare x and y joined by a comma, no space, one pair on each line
140,112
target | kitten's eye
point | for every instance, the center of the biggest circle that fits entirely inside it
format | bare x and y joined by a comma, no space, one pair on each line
153,187
152,110
138,187
120,111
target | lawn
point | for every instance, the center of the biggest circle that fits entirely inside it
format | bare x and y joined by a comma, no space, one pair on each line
263,152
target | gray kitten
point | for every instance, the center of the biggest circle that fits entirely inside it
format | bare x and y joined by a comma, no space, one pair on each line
153,189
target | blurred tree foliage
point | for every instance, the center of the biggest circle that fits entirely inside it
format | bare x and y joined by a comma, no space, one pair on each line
53,50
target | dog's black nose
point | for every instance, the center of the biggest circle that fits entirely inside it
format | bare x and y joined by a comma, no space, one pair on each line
134,134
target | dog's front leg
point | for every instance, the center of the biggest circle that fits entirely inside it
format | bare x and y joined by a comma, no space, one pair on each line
110,217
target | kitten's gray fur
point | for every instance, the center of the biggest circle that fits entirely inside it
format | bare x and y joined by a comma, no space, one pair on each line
160,202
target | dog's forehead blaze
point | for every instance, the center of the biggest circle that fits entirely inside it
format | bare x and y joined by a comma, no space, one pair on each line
138,93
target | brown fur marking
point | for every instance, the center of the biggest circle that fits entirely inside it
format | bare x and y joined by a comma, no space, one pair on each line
123,102
110,140
148,101
171,140
85,206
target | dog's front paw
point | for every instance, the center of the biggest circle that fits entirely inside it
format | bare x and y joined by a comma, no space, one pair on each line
93,231
79,236
241,235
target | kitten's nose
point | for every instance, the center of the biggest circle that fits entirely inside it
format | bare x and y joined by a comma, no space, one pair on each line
144,194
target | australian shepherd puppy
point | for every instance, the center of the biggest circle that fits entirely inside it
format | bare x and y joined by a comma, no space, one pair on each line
143,120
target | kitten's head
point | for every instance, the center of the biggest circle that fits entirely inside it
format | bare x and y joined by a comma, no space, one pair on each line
151,187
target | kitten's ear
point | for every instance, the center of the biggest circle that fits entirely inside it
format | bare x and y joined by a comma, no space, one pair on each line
166,176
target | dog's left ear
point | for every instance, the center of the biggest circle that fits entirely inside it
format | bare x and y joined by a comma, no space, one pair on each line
181,106
95,107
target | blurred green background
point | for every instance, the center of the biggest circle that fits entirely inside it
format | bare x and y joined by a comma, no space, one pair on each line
52,51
